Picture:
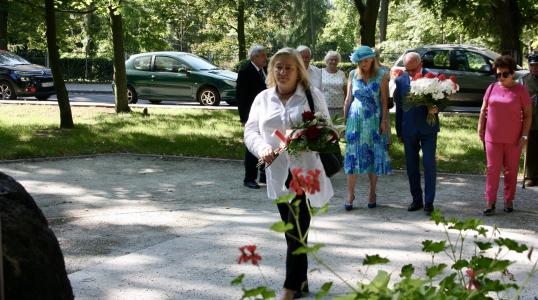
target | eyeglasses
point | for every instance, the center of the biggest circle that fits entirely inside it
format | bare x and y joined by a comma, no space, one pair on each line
503,74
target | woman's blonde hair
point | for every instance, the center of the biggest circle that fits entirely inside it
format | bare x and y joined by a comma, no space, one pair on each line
294,55
374,69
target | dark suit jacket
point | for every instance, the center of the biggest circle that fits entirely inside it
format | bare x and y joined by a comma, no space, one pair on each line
413,121
249,84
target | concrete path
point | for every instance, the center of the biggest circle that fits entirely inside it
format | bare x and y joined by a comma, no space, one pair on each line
144,227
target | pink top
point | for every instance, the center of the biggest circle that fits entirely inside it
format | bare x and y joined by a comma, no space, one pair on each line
505,113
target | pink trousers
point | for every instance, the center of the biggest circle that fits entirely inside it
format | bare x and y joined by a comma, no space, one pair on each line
504,156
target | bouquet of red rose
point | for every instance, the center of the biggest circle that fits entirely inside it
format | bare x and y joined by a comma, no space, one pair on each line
430,91
314,133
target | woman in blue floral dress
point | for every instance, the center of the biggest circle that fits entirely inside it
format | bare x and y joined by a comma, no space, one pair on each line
366,112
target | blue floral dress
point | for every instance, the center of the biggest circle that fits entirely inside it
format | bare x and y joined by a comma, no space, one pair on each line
366,148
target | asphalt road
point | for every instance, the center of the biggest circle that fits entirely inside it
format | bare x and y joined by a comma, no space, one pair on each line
108,99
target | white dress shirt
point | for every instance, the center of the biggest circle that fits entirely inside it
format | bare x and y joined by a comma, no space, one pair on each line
268,114
314,73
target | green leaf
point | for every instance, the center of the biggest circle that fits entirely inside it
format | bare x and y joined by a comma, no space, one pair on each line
511,245
308,249
437,217
261,290
449,282
488,265
407,271
460,264
483,245
496,285
433,247
374,260
322,210
284,199
281,226
435,270
238,280
325,288
380,281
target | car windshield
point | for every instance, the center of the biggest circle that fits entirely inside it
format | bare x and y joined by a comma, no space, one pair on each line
10,59
198,63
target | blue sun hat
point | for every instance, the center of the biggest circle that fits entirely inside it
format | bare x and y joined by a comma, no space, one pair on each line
361,53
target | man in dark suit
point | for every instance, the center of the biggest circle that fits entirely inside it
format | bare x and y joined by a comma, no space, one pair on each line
416,134
250,82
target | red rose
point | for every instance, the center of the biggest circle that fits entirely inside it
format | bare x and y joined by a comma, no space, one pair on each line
429,75
453,78
441,77
417,76
308,116
312,132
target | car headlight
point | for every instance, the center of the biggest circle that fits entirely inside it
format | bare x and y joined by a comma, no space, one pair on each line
231,82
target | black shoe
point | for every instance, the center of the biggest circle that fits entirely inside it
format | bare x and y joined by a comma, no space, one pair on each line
303,292
251,184
489,211
262,180
415,206
428,209
508,209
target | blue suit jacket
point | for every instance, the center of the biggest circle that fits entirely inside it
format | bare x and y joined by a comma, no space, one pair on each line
413,121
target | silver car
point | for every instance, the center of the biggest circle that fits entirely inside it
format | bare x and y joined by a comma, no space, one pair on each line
471,65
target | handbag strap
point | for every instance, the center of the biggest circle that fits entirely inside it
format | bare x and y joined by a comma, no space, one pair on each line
310,99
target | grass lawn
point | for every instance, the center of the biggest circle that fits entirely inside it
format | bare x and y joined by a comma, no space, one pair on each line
29,131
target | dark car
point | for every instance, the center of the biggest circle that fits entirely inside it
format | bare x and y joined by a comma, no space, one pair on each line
471,65
20,78
178,76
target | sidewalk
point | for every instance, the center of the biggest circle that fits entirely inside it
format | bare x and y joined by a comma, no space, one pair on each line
148,227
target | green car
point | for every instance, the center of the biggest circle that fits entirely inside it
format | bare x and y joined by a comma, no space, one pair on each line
178,76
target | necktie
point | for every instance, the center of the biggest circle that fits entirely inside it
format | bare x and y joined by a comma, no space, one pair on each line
262,74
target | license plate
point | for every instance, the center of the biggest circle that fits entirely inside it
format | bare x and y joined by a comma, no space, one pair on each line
47,84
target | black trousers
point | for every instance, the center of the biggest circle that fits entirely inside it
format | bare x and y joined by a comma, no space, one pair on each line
296,265
251,171
532,156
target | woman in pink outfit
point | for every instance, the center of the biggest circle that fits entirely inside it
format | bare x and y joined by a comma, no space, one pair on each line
507,108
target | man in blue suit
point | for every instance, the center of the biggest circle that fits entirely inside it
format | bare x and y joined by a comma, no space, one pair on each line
416,134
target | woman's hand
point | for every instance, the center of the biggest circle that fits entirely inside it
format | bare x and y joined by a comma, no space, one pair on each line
523,140
383,126
267,155
481,134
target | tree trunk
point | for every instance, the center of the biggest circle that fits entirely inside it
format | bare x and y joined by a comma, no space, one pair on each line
241,29
508,22
368,12
383,20
3,24
66,119
120,78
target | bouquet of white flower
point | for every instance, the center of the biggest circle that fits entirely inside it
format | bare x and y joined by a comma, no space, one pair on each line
430,91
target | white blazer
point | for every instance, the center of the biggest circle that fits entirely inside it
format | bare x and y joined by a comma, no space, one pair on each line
268,114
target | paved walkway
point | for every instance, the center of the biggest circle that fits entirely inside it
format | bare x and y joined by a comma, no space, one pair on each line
144,227
89,88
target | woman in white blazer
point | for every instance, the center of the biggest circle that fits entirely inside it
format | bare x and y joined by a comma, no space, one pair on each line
276,108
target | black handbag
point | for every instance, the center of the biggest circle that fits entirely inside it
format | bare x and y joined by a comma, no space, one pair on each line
332,161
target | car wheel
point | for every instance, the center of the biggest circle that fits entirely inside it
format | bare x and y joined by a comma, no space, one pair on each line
208,96
6,91
132,97
42,97
155,101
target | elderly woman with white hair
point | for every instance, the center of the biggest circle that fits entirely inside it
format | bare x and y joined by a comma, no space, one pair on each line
333,84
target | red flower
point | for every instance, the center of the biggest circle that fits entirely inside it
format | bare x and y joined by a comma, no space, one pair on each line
246,256
417,76
472,283
429,75
453,78
308,116
441,77
312,132
397,72
301,183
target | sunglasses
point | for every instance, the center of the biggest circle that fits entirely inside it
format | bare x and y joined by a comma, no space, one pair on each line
503,74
